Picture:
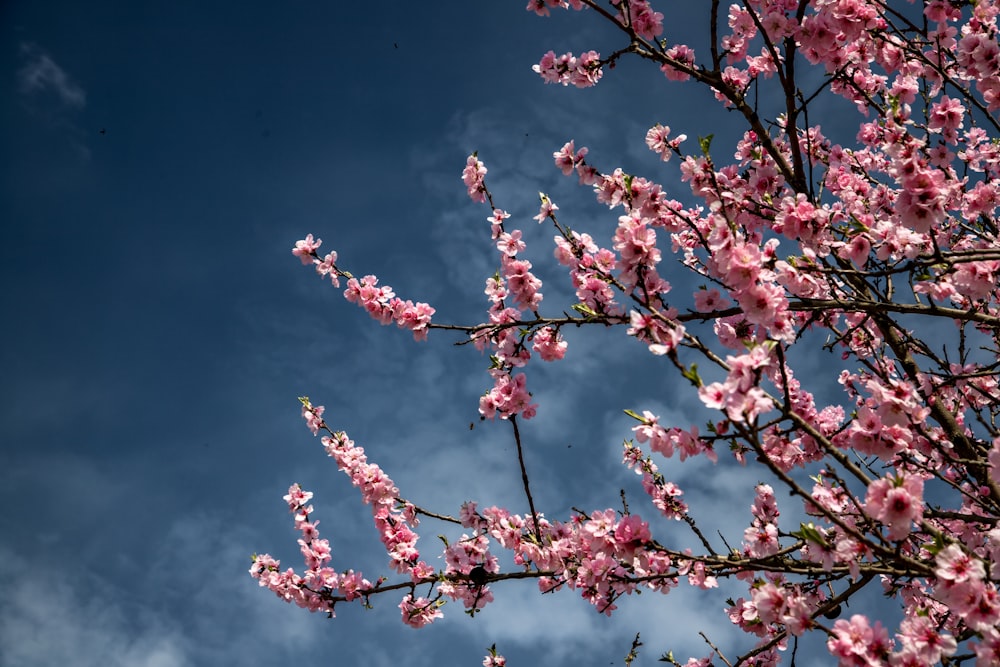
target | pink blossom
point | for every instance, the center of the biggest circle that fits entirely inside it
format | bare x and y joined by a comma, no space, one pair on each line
583,71
770,602
924,641
382,304
305,249
541,8
645,21
328,267
510,244
896,502
521,283
988,649
496,222
707,301
632,529
682,55
761,540
658,141
313,416
418,612
955,565
856,642
549,344
509,397
791,238
567,160
472,176
546,210
494,660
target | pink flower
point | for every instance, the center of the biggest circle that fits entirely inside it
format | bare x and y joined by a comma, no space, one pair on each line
632,529
549,344
523,284
567,160
770,602
921,637
510,244
472,176
313,416
496,222
541,8
582,72
707,301
418,612
306,249
645,21
988,650
494,660
508,397
658,141
682,55
382,304
896,502
546,210
761,540
328,267
855,642
956,566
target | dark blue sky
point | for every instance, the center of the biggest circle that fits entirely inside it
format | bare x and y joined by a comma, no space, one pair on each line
159,162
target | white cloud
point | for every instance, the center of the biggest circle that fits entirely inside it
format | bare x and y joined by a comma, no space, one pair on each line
41,74
47,620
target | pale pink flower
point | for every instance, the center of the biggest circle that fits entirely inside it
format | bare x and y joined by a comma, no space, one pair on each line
856,642
305,249
921,636
473,176
547,208
897,502
567,160
496,222
418,612
510,244
549,344
956,566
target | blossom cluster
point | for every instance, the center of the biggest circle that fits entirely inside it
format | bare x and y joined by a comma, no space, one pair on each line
882,249
378,300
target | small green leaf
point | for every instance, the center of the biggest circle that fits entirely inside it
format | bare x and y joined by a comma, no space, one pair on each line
705,143
809,533
692,375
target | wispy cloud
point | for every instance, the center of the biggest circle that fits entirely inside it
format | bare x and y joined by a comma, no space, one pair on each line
41,74
59,625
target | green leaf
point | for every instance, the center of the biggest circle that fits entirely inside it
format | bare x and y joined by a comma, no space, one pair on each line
705,143
692,375
809,533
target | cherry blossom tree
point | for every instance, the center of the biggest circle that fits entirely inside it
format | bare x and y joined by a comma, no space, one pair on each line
877,245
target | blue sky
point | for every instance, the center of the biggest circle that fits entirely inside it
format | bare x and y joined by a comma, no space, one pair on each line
160,161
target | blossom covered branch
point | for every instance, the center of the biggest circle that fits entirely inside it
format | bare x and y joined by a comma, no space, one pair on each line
860,243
